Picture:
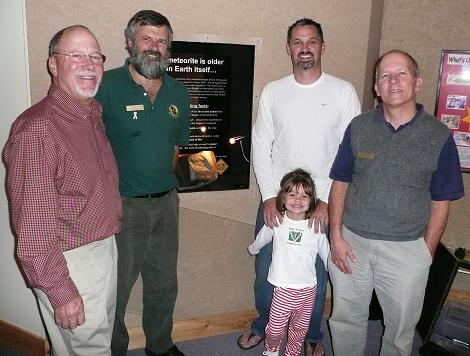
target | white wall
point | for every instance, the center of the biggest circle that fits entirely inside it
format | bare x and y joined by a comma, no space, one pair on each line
17,304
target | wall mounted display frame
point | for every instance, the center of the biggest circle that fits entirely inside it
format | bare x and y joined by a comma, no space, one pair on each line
453,100
219,77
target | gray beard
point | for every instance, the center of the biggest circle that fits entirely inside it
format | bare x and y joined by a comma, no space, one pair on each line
305,65
149,69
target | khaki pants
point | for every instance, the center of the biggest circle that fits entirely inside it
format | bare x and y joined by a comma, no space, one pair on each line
93,269
398,271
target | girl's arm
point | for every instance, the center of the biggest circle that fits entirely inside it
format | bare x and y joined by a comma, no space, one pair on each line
264,237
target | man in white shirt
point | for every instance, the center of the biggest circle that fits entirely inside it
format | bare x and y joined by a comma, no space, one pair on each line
300,124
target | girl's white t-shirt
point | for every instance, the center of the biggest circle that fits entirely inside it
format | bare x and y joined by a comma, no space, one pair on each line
295,249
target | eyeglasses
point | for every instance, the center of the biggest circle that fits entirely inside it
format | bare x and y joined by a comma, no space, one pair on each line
81,57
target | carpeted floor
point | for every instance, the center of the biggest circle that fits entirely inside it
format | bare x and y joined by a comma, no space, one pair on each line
226,345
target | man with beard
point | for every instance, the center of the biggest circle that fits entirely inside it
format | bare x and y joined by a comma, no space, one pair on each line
147,118
62,182
301,119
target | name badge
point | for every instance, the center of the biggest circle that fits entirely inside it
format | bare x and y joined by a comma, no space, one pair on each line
138,107
366,155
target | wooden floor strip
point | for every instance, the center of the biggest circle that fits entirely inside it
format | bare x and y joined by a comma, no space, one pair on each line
21,340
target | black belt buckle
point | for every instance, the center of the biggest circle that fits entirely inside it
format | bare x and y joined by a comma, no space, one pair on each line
153,195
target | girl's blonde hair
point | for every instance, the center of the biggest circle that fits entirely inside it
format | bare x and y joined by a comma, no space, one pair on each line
296,178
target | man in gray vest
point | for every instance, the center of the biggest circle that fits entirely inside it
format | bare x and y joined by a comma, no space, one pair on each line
393,177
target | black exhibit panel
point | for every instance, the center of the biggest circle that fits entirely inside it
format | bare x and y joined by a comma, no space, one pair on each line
219,78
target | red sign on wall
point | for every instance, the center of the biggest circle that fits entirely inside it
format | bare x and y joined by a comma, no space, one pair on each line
453,100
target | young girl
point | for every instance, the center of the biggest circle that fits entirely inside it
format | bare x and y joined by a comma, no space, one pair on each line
292,270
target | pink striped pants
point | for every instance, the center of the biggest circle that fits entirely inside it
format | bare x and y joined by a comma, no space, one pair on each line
296,304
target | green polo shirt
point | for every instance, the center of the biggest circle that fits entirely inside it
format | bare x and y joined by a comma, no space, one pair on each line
143,134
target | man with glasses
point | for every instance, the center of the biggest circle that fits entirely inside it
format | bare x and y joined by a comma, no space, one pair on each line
147,119
62,183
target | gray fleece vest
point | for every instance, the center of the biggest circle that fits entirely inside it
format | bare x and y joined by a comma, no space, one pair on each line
389,197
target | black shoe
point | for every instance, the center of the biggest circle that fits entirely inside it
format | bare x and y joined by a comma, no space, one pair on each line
173,351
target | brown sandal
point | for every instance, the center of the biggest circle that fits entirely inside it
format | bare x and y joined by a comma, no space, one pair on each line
316,347
243,347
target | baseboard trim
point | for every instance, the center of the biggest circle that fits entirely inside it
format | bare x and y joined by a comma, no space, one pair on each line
199,327
21,340
206,326
461,296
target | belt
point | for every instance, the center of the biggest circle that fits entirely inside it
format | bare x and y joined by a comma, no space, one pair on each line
153,195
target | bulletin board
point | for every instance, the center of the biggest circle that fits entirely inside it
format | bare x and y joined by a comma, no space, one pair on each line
453,100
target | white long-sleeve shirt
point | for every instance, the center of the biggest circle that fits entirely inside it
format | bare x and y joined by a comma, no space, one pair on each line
301,126
295,249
